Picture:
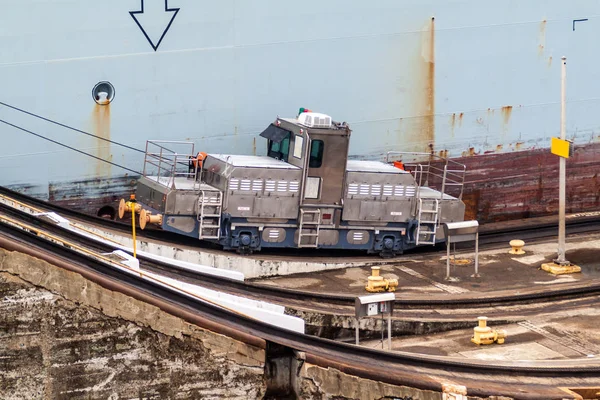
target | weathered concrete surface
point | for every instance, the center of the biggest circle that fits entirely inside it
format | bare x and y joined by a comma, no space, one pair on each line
62,336
342,325
315,382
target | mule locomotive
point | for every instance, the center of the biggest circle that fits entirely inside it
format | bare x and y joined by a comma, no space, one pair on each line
305,193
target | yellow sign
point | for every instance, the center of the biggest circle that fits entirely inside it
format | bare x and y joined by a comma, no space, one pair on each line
560,147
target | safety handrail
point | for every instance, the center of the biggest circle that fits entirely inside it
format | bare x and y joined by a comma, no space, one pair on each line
450,173
167,162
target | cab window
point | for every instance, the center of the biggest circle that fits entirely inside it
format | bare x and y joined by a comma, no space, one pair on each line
280,150
316,154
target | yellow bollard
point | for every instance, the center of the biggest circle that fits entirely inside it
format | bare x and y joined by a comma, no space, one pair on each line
483,334
517,246
377,283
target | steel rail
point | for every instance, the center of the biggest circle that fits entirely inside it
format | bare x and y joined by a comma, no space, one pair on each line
526,295
487,236
104,258
221,315
395,368
15,239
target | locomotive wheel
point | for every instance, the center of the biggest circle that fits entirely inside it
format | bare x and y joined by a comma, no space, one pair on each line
244,251
387,254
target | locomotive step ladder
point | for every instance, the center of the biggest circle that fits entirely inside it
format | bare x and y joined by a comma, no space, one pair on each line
427,218
310,222
210,204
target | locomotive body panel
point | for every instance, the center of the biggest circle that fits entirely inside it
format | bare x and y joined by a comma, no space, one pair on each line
378,192
255,186
151,193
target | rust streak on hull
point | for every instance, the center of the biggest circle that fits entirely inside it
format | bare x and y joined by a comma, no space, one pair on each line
428,126
542,38
506,113
452,124
100,120
420,127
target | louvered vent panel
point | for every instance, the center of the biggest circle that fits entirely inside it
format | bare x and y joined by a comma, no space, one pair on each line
246,184
352,189
257,185
270,186
282,186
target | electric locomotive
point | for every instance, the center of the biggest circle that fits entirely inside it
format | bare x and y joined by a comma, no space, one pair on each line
305,193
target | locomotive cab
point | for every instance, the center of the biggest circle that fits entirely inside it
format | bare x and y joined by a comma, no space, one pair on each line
319,146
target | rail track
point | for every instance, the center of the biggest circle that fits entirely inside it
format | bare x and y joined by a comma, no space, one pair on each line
335,303
490,238
420,371
329,315
327,300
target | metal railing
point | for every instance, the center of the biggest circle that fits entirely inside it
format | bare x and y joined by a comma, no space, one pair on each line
163,164
445,175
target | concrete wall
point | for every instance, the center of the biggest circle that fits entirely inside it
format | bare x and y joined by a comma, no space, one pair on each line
62,336
315,382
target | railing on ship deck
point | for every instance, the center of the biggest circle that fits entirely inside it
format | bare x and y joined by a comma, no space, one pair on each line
446,176
163,164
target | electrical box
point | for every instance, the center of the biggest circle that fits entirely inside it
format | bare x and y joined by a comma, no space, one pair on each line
463,231
377,304
372,309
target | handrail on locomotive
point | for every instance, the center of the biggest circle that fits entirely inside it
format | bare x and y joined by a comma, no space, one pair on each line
448,177
168,163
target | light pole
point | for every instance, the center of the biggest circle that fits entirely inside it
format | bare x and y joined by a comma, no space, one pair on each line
561,260
561,147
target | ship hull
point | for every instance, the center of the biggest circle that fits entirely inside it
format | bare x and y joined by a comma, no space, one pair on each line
475,81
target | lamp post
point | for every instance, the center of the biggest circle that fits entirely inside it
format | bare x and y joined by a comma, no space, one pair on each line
561,147
561,260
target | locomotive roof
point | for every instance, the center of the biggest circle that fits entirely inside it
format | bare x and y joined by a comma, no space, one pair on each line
253,161
372,166
334,125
